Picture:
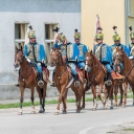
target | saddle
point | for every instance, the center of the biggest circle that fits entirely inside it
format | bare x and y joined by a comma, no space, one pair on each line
80,74
45,72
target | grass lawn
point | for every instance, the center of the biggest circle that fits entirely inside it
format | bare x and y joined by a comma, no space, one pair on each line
26,104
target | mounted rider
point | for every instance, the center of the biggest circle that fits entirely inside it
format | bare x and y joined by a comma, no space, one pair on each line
104,54
70,54
35,55
131,46
82,49
117,44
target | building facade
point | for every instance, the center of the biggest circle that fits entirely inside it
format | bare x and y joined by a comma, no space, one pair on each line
43,15
111,12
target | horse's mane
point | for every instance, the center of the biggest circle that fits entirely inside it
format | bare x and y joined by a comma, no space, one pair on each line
96,60
57,50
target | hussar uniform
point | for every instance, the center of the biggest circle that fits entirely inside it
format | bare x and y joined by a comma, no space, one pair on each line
116,37
82,51
70,54
104,54
35,54
131,46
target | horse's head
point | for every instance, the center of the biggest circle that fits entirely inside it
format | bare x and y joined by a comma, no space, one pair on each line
55,57
119,57
89,60
18,57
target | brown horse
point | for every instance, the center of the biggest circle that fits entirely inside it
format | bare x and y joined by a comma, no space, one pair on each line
97,75
63,80
122,85
28,78
128,70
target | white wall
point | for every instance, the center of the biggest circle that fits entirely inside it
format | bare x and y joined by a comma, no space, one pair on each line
37,13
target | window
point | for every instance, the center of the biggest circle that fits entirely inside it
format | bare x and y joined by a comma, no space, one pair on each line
49,38
130,8
21,30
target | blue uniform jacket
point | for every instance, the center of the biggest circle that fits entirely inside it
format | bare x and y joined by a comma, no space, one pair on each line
72,51
106,54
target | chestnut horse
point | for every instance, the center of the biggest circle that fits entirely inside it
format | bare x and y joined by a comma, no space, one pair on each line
97,75
63,81
122,85
28,78
128,70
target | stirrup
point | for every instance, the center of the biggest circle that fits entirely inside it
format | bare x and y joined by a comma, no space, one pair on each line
76,84
40,83
108,82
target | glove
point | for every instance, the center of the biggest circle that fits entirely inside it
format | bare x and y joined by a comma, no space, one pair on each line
28,60
131,57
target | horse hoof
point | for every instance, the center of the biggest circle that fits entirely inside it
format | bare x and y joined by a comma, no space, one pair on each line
94,109
19,113
78,111
64,112
111,107
33,112
41,111
56,112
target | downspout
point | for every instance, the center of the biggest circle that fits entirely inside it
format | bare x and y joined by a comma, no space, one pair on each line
126,21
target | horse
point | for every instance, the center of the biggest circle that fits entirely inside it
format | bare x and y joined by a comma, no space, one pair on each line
28,78
120,84
97,75
63,81
127,71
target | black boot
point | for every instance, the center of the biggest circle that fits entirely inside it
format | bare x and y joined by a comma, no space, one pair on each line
40,80
53,84
76,83
18,84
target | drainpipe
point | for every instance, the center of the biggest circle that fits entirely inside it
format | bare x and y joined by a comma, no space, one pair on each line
126,21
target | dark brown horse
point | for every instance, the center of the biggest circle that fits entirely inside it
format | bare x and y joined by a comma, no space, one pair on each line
97,75
128,70
63,80
28,78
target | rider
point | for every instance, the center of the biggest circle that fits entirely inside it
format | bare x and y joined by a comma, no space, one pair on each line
104,55
82,50
117,44
35,54
70,54
131,46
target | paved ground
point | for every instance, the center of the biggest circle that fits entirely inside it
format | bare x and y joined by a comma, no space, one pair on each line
86,122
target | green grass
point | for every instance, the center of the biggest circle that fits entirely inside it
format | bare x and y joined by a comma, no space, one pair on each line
128,129
26,104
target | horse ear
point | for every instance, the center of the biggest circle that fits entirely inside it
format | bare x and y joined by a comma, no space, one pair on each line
53,48
91,52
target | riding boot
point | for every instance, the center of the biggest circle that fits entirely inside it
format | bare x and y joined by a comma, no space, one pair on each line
76,83
40,80
53,84
108,82
18,84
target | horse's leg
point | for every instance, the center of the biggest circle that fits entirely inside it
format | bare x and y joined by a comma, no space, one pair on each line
40,97
63,88
95,105
21,100
133,93
83,99
99,93
121,92
115,88
64,103
111,96
32,99
44,95
125,94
